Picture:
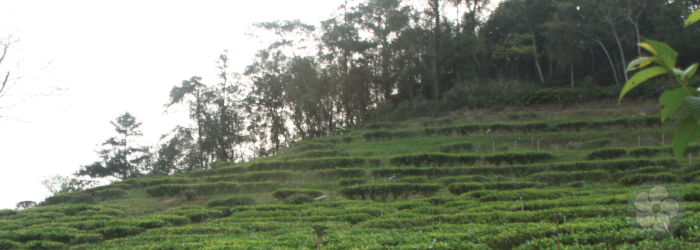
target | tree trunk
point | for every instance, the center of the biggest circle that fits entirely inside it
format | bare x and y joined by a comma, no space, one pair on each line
612,65
571,62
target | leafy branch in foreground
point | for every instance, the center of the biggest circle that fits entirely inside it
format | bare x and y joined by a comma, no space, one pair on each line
685,96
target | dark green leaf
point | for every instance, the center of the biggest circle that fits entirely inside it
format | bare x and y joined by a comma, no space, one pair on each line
688,131
672,100
640,77
666,55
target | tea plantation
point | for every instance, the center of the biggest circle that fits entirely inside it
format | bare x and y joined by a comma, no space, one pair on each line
539,180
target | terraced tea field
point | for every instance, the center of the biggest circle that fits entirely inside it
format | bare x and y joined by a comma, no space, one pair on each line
547,180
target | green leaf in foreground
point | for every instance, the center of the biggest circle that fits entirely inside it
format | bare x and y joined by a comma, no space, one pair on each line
693,18
688,131
672,100
666,55
692,105
640,77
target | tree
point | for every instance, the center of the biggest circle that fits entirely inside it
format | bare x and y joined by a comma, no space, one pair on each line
22,205
120,158
193,87
58,184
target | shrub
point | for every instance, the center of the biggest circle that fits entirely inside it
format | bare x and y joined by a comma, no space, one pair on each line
433,159
111,193
257,187
197,216
460,188
351,182
284,193
201,188
347,139
470,178
189,193
7,212
231,202
691,176
119,231
607,153
81,198
414,179
649,152
563,177
637,179
354,218
298,198
151,223
510,185
44,245
174,220
520,158
265,176
382,191
457,147
8,244
85,239
342,173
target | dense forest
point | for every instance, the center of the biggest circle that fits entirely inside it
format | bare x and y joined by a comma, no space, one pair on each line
385,60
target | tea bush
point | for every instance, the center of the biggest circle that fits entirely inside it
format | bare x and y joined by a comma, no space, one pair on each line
607,154
284,193
637,179
464,187
231,202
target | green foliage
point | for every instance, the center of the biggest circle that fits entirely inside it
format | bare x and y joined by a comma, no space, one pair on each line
433,159
446,181
298,198
352,182
197,216
650,152
112,193
231,202
202,188
556,178
464,187
380,192
86,239
457,147
607,153
637,179
44,245
520,158
284,193
8,244
307,164
119,231
7,212
174,220
388,135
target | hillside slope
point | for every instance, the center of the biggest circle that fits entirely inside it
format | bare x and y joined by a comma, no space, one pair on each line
501,181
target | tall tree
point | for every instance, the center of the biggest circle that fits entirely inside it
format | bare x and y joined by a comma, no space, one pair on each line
121,158
194,88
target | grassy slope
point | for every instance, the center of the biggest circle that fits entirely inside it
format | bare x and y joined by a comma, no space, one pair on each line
487,219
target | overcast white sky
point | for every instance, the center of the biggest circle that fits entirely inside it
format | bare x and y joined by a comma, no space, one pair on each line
113,57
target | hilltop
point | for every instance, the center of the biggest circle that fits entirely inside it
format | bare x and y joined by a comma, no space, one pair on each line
503,180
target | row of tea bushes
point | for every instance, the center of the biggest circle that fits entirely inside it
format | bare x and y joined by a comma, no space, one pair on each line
556,178
465,187
311,164
613,153
457,148
632,122
611,166
434,159
388,135
201,188
377,192
469,160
